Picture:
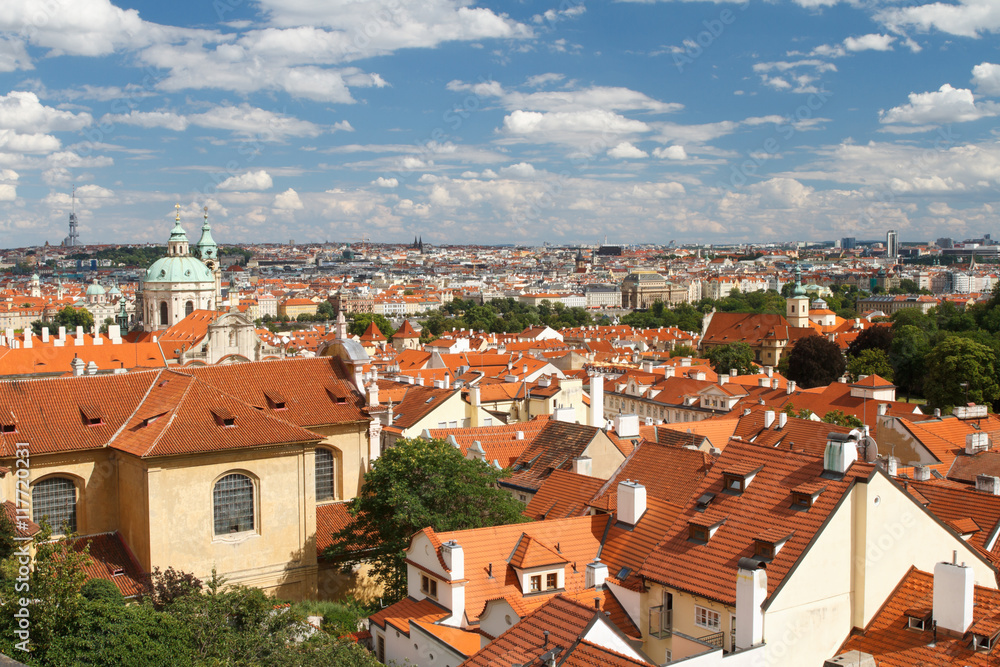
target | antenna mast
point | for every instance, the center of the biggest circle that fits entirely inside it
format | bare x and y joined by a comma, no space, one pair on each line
74,236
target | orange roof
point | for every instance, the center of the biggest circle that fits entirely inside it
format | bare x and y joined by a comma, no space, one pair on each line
501,443
400,614
564,494
372,333
465,642
893,643
406,331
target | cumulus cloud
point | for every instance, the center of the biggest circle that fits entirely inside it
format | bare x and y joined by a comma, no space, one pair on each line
572,127
967,18
149,119
612,98
986,77
519,170
946,105
13,54
251,180
384,182
22,111
8,184
627,151
253,122
539,80
287,201
869,42
674,152
15,142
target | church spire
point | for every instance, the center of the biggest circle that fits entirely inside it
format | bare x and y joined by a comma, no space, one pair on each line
177,245
208,249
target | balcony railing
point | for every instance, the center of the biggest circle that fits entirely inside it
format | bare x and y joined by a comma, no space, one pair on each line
661,622
714,640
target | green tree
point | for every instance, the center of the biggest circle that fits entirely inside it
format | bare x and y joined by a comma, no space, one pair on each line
683,351
734,355
71,318
417,484
872,361
907,355
914,317
325,311
872,338
956,361
361,321
815,362
840,419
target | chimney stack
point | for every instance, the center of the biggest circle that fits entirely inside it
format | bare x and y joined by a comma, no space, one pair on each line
768,418
631,502
782,419
597,573
583,465
954,592
841,451
454,560
751,592
921,473
790,389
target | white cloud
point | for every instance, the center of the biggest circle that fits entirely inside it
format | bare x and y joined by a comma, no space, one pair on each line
539,80
986,77
597,127
946,105
57,177
13,54
15,142
384,182
674,152
251,180
870,42
781,193
8,192
288,201
967,18
519,170
250,121
626,151
611,98
148,119
22,111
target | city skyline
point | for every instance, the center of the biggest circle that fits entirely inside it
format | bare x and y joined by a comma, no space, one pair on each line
492,123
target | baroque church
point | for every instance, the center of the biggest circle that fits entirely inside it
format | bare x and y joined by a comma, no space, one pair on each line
181,297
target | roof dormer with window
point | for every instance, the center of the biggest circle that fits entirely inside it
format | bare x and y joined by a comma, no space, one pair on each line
540,568
738,476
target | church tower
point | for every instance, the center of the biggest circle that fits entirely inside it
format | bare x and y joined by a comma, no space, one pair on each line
797,305
208,252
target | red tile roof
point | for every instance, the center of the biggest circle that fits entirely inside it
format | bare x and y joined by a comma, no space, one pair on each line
111,559
709,569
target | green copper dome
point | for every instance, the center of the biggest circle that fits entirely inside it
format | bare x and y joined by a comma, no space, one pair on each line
94,289
184,269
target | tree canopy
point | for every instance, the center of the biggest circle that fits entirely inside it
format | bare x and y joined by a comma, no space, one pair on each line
416,484
958,361
361,321
872,361
737,356
815,361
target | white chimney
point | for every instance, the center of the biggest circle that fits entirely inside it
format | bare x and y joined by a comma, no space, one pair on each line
723,379
763,382
627,426
977,442
769,371
669,372
732,372
597,400
583,465
474,394
115,333
78,366
564,414
782,419
597,573
631,502
988,484
454,560
892,466
954,591
768,418
79,335
790,389
841,451
45,334
27,338
921,473
62,333
751,592
686,361
775,383
519,435
883,409
373,394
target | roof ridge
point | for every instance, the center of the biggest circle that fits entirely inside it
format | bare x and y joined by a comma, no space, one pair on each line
173,414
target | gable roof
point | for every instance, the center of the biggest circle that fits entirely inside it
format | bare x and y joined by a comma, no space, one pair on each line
709,569
553,448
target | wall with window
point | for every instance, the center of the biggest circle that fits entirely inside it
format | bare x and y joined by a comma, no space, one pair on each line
92,473
277,554
688,611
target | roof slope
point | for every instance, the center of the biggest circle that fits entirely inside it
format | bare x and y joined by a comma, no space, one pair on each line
763,508
553,448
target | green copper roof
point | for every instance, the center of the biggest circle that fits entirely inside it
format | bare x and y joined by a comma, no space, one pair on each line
178,270
207,247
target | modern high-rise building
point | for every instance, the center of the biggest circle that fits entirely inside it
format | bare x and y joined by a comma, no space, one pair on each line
848,243
891,244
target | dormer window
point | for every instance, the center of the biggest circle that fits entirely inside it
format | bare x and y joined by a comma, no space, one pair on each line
8,428
981,643
805,495
275,401
223,417
763,550
767,545
737,478
915,623
91,415
702,528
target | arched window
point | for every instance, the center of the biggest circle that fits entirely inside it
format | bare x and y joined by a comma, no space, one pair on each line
55,500
163,313
325,486
232,502
188,308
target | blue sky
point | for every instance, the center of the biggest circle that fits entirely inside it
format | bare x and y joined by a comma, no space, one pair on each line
563,121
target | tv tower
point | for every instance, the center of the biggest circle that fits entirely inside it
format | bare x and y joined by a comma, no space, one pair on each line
74,236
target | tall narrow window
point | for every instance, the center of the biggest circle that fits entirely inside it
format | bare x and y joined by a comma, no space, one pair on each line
163,312
232,501
324,475
188,308
54,499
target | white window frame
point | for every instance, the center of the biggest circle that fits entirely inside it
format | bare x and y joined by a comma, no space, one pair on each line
707,618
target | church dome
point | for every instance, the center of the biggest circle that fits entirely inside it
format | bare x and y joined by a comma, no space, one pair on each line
178,269
95,289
